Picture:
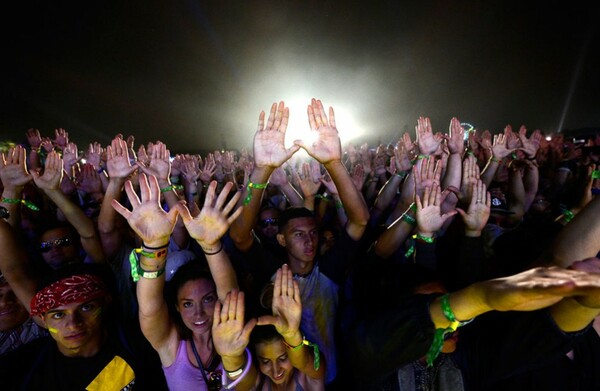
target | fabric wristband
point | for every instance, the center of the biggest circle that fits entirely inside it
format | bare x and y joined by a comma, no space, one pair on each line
27,203
251,186
171,187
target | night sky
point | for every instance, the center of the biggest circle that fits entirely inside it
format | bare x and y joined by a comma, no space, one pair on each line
195,74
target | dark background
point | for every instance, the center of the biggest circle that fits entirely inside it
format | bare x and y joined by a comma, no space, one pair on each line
195,74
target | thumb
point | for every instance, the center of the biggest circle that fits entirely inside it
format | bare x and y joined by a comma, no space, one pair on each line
461,212
292,150
266,320
248,327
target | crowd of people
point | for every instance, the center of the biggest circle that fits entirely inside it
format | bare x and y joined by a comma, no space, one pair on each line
458,260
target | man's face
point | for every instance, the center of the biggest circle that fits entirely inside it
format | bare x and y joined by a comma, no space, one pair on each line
12,312
300,237
77,328
58,247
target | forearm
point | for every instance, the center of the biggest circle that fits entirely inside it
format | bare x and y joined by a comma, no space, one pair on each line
579,239
220,267
13,208
74,215
531,181
452,178
241,228
352,199
109,235
291,194
340,210
394,236
488,173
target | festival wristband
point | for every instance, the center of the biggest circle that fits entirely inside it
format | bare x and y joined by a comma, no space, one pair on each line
27,203
596,174
249,188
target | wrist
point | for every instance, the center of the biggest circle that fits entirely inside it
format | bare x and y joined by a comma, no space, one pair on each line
472,233
293,339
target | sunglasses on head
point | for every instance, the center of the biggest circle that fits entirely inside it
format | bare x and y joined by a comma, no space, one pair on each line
266,222
50,244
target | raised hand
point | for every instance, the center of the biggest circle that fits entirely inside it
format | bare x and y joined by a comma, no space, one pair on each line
456,138
208,169
269,148
215,217
229,333
33,138
61,138
307,184
512,140
470,176
94,155
401,155
53,173
286,306
70,157
429,216
88,180
500,150
279,177
428,142
326,146
13,168
147,218
476,216
160,163
426,172
530,145
118,164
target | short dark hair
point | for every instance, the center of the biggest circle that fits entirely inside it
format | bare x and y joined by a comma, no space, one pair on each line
293,212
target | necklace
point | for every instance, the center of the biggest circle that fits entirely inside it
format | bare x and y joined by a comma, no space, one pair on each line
212,379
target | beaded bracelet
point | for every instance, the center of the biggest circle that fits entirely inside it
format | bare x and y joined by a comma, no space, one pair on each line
250,186
27,203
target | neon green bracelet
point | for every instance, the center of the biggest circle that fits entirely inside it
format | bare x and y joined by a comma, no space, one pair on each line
27,203
251,186
171,187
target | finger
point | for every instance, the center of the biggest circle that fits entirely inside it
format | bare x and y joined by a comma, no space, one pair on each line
311,118
248,327
426,196
222,197
233,304
272,115
297,297
418,202
277,285
131,195
278,116
266,320
332,118
210,195
284,120
120,209
284,280
225,310
446,216
145,191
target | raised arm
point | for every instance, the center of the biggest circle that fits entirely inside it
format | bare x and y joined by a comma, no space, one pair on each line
269,153
14,177
154,226
208,227
287,313
49,182
118,167
327,150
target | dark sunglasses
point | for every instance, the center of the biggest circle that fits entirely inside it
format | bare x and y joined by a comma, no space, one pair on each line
50,244
266,222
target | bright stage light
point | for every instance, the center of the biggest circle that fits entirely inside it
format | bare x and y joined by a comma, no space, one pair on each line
298,127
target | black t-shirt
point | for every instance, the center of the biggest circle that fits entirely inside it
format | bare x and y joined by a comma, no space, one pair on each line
124,363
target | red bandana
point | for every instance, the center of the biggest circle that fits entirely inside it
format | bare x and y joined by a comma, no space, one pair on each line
74,289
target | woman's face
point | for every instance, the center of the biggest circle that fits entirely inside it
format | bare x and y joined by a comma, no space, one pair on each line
196,301
273,361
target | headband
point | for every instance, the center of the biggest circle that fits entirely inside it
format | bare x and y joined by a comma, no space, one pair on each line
74,289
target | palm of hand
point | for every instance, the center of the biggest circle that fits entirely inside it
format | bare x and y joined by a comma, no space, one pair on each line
326,147
50,180
269,148
288,313
118,167
160,168
228,337
429,219
500,150
14,175
477,216
428,143
151,222
208,227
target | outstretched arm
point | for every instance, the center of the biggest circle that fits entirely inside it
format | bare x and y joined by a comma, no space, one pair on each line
49,182
269,153
327,150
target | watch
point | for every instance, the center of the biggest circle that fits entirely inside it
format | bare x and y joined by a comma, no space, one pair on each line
4,213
